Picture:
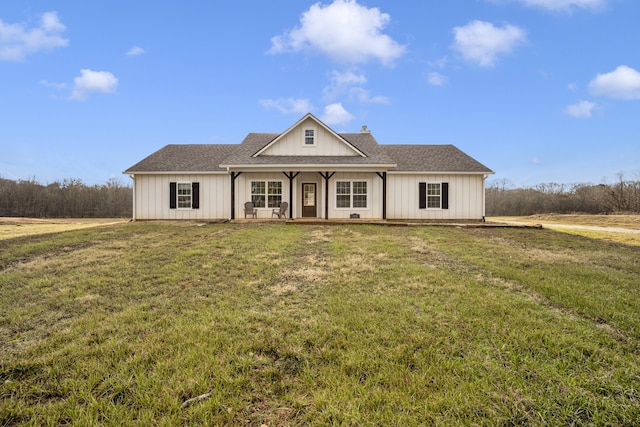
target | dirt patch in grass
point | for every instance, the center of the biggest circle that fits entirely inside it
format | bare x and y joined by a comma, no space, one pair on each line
307,266
307,272
322,234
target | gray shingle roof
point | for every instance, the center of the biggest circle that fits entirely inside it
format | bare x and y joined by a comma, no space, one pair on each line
209,157
433,158
185,158
256,141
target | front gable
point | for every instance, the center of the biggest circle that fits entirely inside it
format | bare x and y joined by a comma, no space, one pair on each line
309,137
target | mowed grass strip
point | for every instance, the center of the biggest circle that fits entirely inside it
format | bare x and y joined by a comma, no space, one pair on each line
18,227
229,324
624,229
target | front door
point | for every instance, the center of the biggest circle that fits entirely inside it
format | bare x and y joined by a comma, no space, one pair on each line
309,200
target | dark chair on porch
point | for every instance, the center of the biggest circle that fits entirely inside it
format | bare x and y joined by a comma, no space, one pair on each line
281,211
250,210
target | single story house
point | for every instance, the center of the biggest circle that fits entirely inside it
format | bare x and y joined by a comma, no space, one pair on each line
320,173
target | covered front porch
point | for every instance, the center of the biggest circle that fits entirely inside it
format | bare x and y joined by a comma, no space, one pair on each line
310,194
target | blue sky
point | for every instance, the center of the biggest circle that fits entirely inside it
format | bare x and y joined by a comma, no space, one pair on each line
538,90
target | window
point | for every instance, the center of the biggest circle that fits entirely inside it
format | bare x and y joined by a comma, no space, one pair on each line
258,193
351,194
359,194
433,195
184,195
343,194
274,196
309,137
266,194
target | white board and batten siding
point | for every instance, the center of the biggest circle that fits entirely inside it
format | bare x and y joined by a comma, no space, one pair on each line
466,197
243,191
466,201
374,196
325,144
151,197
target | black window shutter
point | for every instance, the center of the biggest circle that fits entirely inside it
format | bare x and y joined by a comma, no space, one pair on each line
195,195
422,191
173,196
445,195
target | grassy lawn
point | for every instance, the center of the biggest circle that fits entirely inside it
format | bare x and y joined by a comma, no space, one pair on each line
239,324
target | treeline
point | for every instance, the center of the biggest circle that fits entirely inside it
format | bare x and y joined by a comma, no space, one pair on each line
70,198
622,196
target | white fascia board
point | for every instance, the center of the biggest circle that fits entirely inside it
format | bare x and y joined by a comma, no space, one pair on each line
308,168
176,173
321,124
437,173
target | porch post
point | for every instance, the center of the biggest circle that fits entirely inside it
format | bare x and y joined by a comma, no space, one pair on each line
234,175
326,197
383,176
327,176
291,177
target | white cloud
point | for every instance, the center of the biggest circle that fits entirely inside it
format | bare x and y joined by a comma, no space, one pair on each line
482,42
438,63
297,106
335,114
345,31
17,41
51,23
54,85
135,51
436,79
93,81
341,82
349,84
565,4
581,110
363,96
621,83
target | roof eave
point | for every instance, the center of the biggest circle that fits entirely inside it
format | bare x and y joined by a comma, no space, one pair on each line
314,118
202,172
309,167
413,172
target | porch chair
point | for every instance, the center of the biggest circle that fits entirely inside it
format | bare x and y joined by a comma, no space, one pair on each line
281,211
250,210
